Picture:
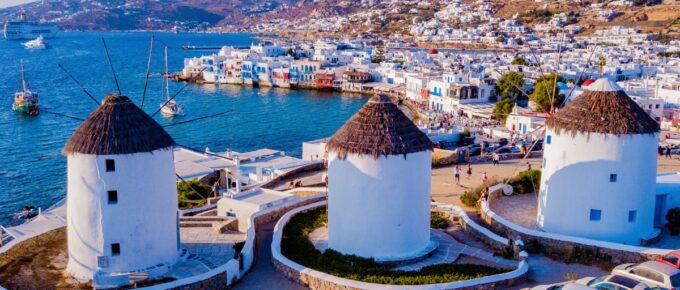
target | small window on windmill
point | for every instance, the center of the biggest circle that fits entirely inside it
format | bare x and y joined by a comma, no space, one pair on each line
115,249
632,216
113,196
548,139
595,214
110,165
612,177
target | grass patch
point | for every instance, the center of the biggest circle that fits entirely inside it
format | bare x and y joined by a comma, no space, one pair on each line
296,246
471,197
526,181
192,193
438,221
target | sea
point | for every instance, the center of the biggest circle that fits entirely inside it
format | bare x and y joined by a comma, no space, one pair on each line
32,169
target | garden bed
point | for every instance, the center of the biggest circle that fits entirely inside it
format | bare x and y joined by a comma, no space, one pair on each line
296,246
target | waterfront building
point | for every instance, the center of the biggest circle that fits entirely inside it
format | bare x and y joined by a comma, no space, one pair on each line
122,214
353,80
607,143
303,72
455,90
379,178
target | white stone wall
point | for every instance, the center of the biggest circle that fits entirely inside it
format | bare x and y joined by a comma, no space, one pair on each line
379,207
143,221
576,180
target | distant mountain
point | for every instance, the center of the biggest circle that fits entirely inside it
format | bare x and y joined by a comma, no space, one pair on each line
109,15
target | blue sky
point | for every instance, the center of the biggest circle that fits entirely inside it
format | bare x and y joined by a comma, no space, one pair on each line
9,3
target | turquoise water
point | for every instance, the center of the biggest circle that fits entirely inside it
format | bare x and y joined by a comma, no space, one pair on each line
32,170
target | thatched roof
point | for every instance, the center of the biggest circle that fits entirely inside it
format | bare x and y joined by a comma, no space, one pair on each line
378,128
118,126
603,108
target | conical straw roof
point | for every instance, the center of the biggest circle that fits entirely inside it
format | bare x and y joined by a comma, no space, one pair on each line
379,128
603,108
118,126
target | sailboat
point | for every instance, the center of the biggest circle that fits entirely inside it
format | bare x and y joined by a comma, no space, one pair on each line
170,108
25,101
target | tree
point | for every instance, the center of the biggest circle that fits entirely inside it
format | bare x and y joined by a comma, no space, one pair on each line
519,61
509,85
503,108
378,55
544,90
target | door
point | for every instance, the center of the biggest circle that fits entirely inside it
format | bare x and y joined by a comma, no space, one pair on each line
660,211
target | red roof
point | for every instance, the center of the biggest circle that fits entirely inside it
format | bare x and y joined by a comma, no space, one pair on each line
432,51
587,82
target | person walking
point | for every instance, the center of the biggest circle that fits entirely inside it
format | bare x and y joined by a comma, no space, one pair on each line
496,159
215,188
469,171
484,177
528,166
456,174
668,151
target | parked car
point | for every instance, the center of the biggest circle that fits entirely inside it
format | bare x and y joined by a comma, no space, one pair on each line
507,149
503,141
671,259
579,284
474,151
617,282
652,273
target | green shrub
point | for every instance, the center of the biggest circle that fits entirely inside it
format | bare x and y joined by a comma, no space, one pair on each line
526,181
438,221
673,218
471,197
188,197
296,246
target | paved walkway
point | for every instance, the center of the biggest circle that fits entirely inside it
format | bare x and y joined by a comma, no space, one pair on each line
519,209
263,275
53,218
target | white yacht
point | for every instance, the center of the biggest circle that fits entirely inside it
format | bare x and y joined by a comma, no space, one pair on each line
38,43
169,108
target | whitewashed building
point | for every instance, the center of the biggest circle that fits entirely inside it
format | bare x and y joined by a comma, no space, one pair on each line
599,168
122,214
379,185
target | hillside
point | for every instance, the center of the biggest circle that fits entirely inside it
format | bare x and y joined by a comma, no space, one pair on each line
247,15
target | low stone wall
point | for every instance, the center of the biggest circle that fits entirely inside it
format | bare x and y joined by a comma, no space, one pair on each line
214,282
567,248
323,281
272,183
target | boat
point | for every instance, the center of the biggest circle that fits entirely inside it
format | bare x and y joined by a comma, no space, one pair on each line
23,29
38,43
26,101
170,108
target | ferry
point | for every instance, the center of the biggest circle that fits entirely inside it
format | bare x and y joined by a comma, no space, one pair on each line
23,29
25,101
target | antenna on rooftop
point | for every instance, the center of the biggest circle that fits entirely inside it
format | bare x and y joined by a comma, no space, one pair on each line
148,68
113,70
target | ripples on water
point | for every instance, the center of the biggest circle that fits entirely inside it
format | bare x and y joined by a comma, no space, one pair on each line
32,170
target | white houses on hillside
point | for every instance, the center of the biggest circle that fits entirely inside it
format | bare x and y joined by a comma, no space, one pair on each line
599,168
121,194
379,185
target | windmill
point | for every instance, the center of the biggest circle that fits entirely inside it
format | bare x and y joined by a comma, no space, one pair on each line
121,182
